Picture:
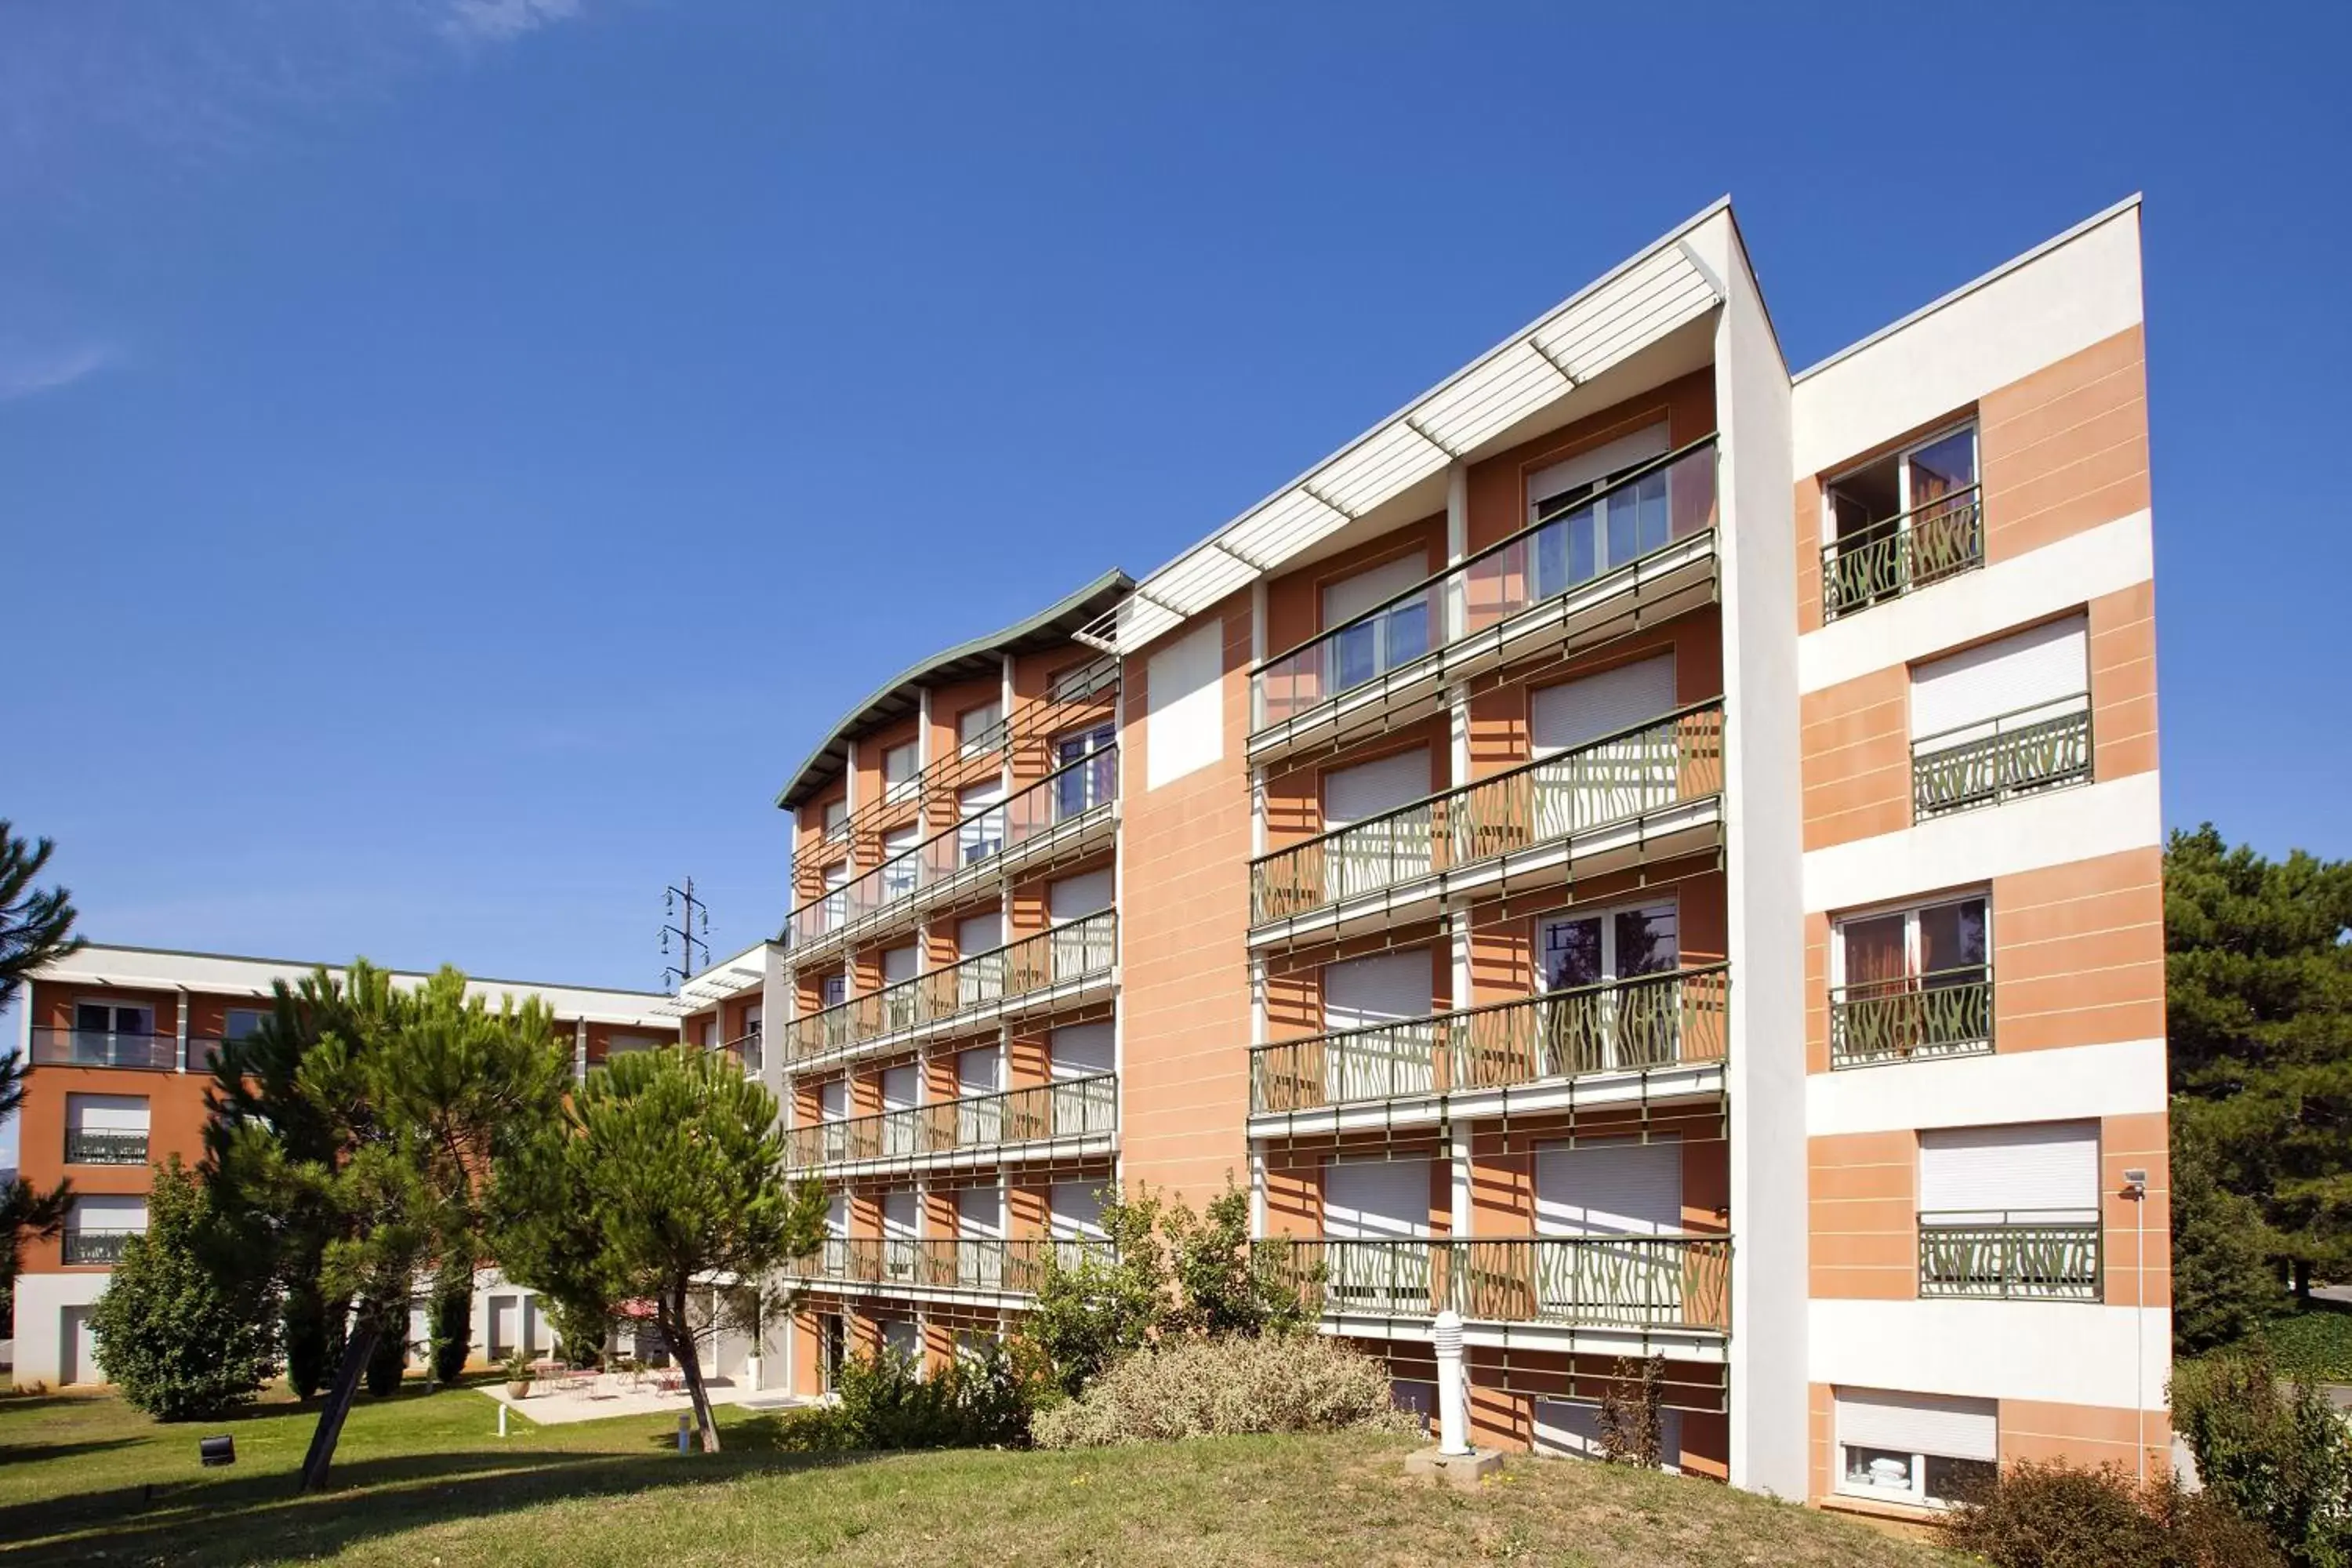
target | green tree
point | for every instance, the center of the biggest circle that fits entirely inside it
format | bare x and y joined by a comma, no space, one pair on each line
186,1326
2223,1282
680,1161
36,929
2259,1010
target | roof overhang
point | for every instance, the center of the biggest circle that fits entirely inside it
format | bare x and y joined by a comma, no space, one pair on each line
723,982
1492,403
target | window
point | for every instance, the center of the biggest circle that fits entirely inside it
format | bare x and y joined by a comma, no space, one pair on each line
901,867
241,1022
901,763
2010,1212
836,894
1911,982
2001,720
980,830
1389,844
836,819
98,1223
1371,1208
113,1034
1081,788
1592,1019
832,990
1396,635
1378,1008
980,729
106,1130
1586,531
1901,522
1928,1450
833,1348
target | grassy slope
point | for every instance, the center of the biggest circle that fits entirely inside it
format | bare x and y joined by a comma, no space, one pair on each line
427,1480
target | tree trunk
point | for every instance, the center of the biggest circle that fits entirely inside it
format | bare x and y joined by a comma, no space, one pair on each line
681,1343
2303,1283
357,1349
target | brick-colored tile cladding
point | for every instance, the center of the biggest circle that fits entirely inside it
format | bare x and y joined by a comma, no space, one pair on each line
1863,1203
2085,1435
1183,917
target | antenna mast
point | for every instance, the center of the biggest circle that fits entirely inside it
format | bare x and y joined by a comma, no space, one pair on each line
688,916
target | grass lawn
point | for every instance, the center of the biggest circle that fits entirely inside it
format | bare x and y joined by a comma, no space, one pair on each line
426,1480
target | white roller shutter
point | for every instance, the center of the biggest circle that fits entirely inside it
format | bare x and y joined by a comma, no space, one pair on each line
900,963
1352,596
974,798
902,1338
1074,897
1610,1189
2049,1169
1381,989
2032,670
980,1212
1586,469
837,1214
1351,794
1576,712
900,1212
833,1100
897,841
976,1071
1919,1423
1083,1050
108,1211
1376,1200
1077,1211
106,1113
899,1086
978,933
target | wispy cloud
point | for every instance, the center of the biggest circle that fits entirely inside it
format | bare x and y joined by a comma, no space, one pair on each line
496,21
25,373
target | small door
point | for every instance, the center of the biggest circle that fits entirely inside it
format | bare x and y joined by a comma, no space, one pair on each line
76,1346
506,1324
1086,777
1379,642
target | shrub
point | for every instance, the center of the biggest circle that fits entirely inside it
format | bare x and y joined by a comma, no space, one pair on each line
2222,1284
185,1330
1632,1413
981,1399
2054,1516
1205,1387
2282,1458
314,1336
387,1363
452,1326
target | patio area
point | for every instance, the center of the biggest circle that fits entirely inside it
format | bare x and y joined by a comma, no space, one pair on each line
556,1399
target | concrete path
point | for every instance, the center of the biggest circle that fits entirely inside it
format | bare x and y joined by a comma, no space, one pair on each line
613,1395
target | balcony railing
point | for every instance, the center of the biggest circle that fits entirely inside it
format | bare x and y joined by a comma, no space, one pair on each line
1628,1281
1984,763
1073,951
745,1048
1012,1266
1888,559
1679,1018
1667,500
1065,796
1667,762
93,1146
2036,1254
109,1049
1946,1013
97,1246
1071,1109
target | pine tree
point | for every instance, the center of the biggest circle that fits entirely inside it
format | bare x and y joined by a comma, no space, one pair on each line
2259,1009
36,929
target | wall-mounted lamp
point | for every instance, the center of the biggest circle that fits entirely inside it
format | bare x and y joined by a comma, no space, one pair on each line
2135,1185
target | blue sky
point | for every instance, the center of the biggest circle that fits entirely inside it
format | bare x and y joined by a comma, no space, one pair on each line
456,455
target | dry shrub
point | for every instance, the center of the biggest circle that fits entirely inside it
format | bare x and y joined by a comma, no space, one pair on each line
1200,1388
2055,1516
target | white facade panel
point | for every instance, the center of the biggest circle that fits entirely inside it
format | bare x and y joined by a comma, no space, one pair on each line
1184,720
2122,1078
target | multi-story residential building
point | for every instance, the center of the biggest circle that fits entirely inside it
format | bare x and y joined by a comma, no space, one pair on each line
1655,853
120,1043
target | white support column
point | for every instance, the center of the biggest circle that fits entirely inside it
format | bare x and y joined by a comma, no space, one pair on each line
1258,1190
1458,546
580,1050
1457,1151
180,1052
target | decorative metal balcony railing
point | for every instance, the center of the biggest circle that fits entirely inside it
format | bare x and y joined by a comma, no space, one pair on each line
109,1048
95,1146
1072,1109
746,1049
1074,791
95,1246
1011,1266
986,980
1947,1013
2031,750
1630,1281
1941,539
2034,1255
1670,760
1679,1018
1667,500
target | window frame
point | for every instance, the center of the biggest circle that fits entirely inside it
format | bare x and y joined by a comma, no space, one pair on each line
1911,908
1905,506
1605,912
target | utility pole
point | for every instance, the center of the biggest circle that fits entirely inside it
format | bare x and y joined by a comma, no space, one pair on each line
688,916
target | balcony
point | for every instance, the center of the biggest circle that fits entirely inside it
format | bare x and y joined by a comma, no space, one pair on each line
1920,1017
1669,1283
2025,753
2035,1255
1067,811
1892,557
1647,793
109,1049
746,1050
1637,1042
952,1266
1049,969
1073,1118
1639,552
92,1146
104,1247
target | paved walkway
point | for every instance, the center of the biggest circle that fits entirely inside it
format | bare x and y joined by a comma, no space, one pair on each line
618,1393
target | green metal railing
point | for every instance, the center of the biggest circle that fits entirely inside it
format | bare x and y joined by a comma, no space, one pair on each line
1678,1018
1667,761
1082,947
1947,1013
2031,750
1890,558
2012,1255
95,1246
1072,1107
1014,1265
92,1146
1615,1281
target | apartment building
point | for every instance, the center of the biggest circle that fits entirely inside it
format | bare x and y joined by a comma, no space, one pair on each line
120,1042
1654,852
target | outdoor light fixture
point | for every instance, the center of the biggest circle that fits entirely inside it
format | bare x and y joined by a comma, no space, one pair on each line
220,1450
2134,1183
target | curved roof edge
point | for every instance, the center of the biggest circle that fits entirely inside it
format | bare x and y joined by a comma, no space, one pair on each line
892,699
